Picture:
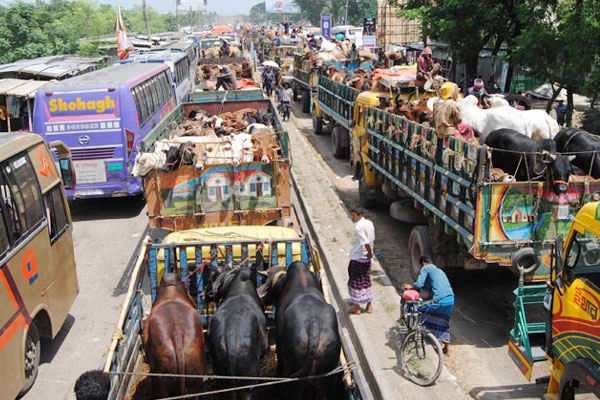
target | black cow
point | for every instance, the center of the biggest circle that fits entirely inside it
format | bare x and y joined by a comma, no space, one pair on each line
307,340
584,146
529,159
238,329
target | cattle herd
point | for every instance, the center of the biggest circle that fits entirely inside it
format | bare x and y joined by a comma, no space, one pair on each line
202,139
306,338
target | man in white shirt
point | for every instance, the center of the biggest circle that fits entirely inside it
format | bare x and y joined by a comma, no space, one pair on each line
360,285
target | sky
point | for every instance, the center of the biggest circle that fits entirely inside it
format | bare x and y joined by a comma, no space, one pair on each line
221,7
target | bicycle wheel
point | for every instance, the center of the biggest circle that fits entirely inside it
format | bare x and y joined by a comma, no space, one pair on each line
421,357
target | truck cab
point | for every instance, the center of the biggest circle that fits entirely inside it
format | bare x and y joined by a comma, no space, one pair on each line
572,303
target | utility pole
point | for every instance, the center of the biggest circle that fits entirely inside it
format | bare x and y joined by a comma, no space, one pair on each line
177,2
146,18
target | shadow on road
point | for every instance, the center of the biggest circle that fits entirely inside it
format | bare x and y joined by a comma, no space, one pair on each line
109,208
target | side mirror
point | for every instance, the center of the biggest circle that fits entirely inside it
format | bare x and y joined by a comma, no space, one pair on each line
65,163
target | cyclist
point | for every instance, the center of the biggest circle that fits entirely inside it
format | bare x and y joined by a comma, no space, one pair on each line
436,315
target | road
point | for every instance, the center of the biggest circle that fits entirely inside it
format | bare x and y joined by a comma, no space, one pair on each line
108,231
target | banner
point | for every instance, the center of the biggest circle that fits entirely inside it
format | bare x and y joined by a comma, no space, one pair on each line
326,25
282,7
369,26
123,42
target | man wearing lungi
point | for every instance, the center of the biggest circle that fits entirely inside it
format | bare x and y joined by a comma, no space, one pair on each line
360,285
436,315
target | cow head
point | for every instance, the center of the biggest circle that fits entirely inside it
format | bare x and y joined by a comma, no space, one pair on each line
559,169
271,289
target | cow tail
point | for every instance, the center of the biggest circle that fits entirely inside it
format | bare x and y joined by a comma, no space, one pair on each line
313,344
180,356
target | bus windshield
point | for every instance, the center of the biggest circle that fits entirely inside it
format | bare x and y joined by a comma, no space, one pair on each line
38,280
102,117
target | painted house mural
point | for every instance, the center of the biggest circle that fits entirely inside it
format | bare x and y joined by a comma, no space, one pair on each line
518,214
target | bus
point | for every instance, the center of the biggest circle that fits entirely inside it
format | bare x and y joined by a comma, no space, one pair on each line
103,116
38,279
184,74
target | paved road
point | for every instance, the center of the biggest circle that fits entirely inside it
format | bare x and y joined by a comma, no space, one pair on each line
106,232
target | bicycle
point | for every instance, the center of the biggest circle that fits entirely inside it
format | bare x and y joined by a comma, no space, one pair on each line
421,357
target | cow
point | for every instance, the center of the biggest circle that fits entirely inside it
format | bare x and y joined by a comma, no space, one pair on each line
307,338
146,162
173,340
527,159
535,124
584,146
264,146
238,336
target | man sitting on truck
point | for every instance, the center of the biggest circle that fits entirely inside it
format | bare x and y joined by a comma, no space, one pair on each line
226,79
426,68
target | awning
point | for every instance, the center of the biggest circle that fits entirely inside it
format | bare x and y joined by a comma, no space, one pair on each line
27,89
20,87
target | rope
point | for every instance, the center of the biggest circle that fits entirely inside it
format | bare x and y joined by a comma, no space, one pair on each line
271,381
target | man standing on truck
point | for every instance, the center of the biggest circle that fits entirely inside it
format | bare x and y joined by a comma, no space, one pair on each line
436,315
360,285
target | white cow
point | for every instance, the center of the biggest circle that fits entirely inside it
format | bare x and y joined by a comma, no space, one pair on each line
242,148
535,124
145,162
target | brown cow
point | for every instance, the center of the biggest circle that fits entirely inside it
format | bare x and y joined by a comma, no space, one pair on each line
264,146
173,340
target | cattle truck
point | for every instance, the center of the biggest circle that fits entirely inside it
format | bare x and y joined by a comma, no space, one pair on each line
568,332
340,108
221,194
304,81
189,253
464,216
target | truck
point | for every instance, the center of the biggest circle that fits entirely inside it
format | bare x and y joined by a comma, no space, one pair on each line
222,194
184,252
559,321
304,81
463,216
341,108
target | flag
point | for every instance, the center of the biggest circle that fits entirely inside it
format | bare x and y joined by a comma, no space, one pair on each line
123,42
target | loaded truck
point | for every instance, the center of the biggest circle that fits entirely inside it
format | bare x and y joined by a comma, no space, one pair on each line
304,83
218,194
463,216
341,108
207,232
568,332
185,253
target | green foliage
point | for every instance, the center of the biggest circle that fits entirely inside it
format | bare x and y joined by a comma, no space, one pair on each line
59,26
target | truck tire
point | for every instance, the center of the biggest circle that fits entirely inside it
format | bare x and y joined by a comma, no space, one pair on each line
306,102
32,357
317,124
337,143
526,259
365,200
407,214
419,244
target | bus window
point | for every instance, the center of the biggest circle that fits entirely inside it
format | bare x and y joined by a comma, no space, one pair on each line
4,243
25,188
58,220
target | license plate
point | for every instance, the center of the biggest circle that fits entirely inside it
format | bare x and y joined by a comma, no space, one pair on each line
90,171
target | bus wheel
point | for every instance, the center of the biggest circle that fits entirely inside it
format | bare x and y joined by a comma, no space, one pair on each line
32,357
419,244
